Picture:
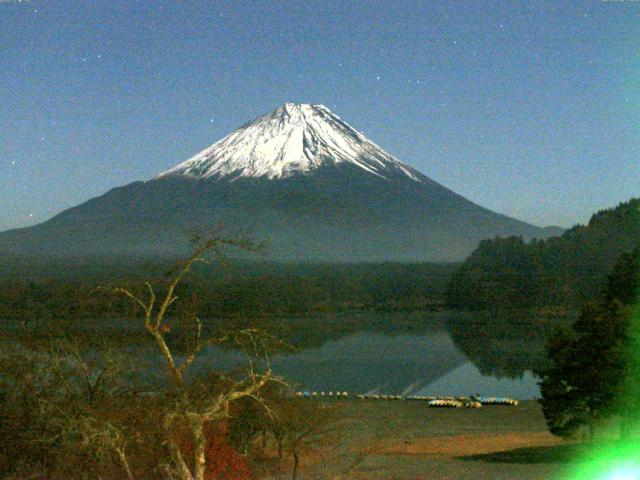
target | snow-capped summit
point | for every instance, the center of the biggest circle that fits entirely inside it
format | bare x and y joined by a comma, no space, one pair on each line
293,138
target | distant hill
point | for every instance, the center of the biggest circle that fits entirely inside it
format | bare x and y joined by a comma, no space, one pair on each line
299,178
564,270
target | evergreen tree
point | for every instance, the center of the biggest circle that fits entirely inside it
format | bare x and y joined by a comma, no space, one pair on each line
562,404
624,281
593,371
584,383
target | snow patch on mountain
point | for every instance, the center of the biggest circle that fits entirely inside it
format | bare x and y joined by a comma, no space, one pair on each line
293,138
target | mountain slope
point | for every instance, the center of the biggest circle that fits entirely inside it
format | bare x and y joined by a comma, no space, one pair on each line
300,178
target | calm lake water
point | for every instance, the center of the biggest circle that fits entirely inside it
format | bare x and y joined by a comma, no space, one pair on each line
448,353
413,353
429,364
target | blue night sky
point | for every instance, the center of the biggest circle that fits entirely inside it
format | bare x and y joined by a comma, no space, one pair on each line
529,108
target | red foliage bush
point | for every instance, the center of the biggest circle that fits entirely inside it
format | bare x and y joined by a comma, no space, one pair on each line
223,461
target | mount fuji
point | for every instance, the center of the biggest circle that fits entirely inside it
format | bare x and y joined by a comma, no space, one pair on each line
300,178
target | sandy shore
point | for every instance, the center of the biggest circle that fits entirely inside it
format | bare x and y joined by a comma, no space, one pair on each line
408,440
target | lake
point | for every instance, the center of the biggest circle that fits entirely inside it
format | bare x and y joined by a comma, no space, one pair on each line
400,353
405,353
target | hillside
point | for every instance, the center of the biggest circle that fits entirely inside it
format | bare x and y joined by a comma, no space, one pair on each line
562,271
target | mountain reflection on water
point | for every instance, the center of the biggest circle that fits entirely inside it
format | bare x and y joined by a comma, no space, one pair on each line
446,353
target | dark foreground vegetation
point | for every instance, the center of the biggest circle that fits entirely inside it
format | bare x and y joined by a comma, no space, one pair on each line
86,407
77,402
341,439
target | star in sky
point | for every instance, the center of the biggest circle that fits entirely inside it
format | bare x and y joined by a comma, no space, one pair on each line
407,40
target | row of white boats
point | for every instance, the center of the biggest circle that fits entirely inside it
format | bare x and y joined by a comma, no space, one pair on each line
472,401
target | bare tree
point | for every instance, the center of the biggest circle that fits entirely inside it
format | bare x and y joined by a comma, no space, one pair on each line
188,407
57,395
105,440
300,425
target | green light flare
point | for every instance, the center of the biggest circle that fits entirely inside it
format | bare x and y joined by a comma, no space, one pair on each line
618,459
